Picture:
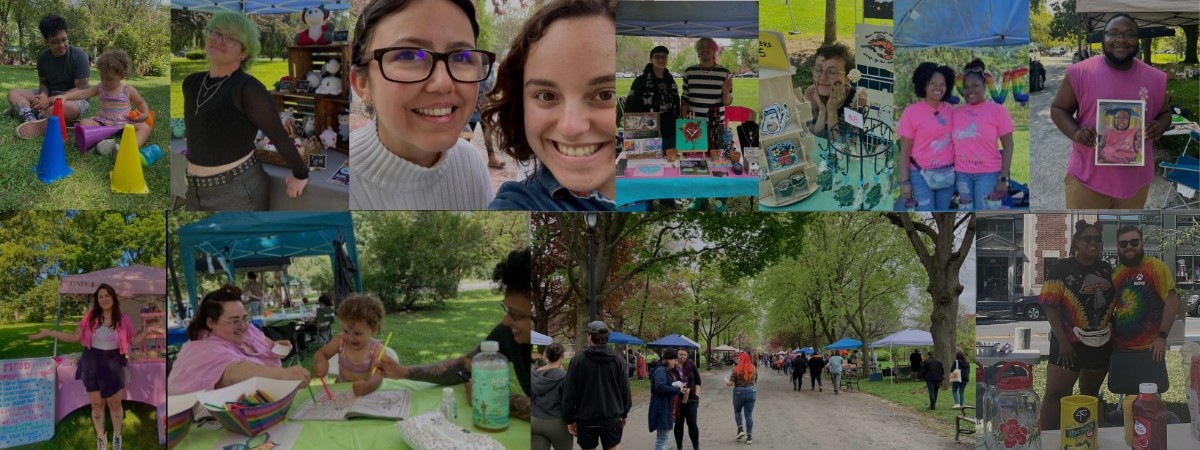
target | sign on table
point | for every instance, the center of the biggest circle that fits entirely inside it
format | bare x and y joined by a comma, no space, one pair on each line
26,401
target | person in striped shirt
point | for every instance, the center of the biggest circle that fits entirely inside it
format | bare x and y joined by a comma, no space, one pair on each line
706,85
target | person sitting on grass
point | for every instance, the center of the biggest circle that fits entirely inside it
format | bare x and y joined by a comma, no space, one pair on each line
116,100
61,68
356,349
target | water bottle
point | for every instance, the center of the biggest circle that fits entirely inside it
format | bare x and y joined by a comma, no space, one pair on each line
449,405
489,391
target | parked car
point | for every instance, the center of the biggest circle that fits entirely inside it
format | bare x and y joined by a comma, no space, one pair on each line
1192,300
1037,75
1028,306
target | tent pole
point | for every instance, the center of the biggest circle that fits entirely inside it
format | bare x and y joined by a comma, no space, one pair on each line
788,3
57,324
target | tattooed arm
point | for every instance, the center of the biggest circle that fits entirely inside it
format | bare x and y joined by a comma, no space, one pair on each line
519,406
447,373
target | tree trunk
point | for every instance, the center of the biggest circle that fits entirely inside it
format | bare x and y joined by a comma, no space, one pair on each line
1189,33
581,336
830,22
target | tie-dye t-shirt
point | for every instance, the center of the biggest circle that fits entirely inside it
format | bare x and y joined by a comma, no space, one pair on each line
1082,295
929,131
1141,291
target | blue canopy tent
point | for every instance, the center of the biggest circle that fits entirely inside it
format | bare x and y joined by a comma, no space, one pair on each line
922,23
805,350
674,340
844,344
617,337
233,237
735,19
257,6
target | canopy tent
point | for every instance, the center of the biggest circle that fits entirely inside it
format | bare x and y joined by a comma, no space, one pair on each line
736,19
233,237
130,282
617,337
539,338
844,344
212,264
258,6
805,350
674,340
904,338
725,348
921,23
1153,13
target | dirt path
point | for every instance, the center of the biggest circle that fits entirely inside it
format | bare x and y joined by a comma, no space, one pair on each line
782,417
1049,147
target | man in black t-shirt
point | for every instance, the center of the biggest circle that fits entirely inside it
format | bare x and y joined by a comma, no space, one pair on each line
512,333
61,68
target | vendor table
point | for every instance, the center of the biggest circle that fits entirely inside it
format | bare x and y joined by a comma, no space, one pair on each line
1178,437
673,185
369,433
319,195
823,200
147,383
284,317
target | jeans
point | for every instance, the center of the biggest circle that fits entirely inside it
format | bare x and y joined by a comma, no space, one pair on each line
743,400
933,392
973,189
837,380
929,199
660,442
958,390
248,191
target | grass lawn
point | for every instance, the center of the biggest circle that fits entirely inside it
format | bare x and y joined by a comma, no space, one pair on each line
75,430
913,395
268,72
1019,170
745,90
88,187
1186,95
809,20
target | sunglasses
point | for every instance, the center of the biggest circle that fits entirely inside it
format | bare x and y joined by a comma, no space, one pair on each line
1092,239
1130,243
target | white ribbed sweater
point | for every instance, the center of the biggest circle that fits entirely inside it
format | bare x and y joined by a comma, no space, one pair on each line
381,180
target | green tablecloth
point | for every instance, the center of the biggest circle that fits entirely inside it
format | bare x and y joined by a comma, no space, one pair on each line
369,433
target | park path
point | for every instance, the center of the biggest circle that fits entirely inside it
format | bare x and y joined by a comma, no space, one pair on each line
1049,148
786,419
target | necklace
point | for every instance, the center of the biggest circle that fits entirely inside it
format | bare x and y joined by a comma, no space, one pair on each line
207,92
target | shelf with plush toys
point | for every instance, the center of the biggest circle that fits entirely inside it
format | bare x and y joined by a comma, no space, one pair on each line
317,86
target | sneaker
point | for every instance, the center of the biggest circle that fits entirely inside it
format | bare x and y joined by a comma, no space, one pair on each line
749,440
956,405
821,389
741,434
32,129
116,443
107,147
101,443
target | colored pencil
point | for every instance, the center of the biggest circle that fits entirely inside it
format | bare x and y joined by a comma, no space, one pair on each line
326,388
380,356
310,394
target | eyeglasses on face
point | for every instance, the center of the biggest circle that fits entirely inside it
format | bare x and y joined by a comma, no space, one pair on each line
235,321
1130,243
1114,35
217,36
414,65
509,312
831,72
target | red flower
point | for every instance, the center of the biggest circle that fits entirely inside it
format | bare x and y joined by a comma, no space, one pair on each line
1014,433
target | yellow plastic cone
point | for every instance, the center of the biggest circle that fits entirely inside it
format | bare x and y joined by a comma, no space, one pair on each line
127,177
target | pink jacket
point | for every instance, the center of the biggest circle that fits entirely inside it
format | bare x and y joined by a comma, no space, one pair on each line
125,332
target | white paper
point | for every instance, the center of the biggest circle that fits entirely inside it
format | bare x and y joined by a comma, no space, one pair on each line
391,404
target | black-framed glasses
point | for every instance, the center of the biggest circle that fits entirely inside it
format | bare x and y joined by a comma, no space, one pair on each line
1091,239
504,308
1130,243
414,65
1114,35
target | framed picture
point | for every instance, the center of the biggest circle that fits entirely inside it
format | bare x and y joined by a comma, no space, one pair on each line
693,167
640,121
691,134
1120,133
316,162
302,86
341,35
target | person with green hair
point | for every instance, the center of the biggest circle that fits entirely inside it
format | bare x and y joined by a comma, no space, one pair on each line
223,109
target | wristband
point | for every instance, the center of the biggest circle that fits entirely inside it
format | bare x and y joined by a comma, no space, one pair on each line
1163,334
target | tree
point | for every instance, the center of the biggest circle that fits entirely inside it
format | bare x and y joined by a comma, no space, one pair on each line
686,58
633,52
942,250
830,22
1065,25
729,60
1039,26
415,257
746,51
1191,34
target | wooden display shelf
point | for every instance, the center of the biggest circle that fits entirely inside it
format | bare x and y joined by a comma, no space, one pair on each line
303,59
322,107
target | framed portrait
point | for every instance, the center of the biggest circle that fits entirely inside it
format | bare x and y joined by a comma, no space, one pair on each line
1120,133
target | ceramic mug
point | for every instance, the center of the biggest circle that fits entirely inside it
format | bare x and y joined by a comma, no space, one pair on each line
799,180
784,188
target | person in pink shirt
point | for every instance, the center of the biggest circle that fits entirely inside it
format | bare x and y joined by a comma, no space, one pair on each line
224,348
1119,144
981,169
106,334
1118,75
926,161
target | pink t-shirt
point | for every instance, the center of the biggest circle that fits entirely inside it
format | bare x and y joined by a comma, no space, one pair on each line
1092,80
929,132
977,131
201,363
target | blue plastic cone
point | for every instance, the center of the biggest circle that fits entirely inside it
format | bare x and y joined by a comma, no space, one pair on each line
52,165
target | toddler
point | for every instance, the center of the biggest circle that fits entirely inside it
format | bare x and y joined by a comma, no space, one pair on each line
361,317
116,99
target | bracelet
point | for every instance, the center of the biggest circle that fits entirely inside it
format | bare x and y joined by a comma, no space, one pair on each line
1163,334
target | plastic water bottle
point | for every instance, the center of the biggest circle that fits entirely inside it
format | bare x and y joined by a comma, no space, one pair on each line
489,391
449,405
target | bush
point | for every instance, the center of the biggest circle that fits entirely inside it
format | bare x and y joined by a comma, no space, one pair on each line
194,55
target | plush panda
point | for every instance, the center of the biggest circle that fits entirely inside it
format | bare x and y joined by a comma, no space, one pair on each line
318,32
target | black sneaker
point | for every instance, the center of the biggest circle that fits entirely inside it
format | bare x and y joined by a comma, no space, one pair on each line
749,440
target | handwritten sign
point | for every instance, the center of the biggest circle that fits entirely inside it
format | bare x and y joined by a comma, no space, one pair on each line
26,401
771,53
853,117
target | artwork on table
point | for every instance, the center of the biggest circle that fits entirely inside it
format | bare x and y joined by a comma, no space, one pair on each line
642,148
752,154
647,169
1120,132
781,155
316,162
691,134
636,122
693,167
342,176
775,118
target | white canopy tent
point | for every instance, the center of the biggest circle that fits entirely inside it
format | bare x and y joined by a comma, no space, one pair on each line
904,338
258,6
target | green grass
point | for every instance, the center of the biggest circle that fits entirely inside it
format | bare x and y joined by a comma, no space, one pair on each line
1174,397
913,395
745,91
809,19
1185,94
1019,169
268,72
1165,58
76,430
88,187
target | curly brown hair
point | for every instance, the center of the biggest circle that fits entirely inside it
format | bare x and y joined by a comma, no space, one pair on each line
362,308
114,61
504,116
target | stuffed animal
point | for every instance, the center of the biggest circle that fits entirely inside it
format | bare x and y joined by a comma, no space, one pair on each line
344,126
317,32
330,86
332,67
310,126
288,118
329,137
314,80
177,128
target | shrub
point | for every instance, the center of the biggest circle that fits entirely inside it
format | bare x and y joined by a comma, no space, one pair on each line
194,54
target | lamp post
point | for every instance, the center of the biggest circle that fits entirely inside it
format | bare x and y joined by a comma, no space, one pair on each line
590,220
710,332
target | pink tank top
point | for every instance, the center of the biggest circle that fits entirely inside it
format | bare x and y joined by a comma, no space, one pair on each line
351,370
114,108
1093,80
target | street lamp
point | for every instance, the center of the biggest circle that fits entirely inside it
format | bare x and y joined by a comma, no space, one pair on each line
590,220
710,332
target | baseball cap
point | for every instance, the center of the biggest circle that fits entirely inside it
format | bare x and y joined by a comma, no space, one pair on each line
597,327
659,49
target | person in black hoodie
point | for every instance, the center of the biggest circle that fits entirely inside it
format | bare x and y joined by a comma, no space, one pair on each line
655,91
815,364
798,364
914,363
933,372
547,426
690,407
596,398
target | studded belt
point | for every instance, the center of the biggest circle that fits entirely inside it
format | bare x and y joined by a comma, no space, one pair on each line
223,178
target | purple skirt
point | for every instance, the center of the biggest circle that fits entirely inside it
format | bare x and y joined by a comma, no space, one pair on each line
101,370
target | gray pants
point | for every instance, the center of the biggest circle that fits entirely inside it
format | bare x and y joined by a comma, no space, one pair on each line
545,433
837,381
248,191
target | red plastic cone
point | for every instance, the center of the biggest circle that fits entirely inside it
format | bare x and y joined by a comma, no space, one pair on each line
62,120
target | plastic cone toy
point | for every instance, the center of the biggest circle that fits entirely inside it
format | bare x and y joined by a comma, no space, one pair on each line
62,120
52,164
87,137
126,176
134,114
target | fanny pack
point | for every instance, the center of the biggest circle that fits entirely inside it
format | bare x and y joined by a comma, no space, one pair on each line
939,178
1093,338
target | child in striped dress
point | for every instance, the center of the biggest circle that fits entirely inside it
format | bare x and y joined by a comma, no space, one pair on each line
361,317
116,99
